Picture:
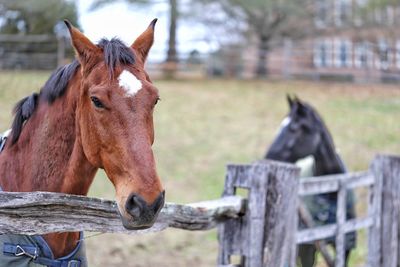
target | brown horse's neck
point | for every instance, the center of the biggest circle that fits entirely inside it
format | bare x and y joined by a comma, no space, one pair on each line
49,157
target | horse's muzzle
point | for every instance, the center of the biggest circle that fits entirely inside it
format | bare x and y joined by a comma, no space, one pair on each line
142,214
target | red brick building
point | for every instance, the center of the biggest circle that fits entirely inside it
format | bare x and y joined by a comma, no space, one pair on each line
352,41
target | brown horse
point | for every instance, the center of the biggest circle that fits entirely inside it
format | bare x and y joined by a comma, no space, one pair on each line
96,112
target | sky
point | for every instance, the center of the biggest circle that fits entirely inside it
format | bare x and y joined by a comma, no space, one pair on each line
128,21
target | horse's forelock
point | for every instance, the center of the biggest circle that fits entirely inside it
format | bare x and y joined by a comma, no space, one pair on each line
116,53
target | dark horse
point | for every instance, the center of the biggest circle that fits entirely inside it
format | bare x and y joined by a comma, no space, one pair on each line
96,112
303,133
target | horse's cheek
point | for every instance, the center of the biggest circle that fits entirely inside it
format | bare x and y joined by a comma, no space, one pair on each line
89,138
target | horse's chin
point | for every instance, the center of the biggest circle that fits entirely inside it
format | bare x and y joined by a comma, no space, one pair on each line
137,224
133,227
129,225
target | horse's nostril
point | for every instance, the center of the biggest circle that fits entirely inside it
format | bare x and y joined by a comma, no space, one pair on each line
135,205
159,202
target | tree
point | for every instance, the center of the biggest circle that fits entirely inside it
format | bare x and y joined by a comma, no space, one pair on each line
382,3
35,16
172,55
268,20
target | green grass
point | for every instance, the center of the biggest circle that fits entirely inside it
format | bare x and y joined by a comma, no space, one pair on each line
203,125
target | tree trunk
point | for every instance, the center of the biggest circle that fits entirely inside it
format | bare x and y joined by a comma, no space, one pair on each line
171,54
262,69
172,57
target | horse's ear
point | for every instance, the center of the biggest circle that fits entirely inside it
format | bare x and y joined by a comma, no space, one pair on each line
144,42
289,100
84,48
301,106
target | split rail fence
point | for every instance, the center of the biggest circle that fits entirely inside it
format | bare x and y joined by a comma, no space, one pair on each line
259,230
39,52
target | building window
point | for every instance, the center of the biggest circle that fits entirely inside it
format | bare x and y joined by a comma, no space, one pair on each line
363,55
389,15
384,14
360,12
378,15
322,54
321,13
397,15
398,54
383,55
343,10
343,55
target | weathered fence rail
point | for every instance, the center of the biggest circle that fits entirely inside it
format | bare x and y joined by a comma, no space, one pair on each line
260,230
33,51
44,212
330,184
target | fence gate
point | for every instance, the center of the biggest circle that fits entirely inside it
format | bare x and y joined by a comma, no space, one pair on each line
262,236
381,222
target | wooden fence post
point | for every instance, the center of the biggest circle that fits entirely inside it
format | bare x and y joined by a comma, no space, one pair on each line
281,218
61,51
264,234
340,220
383,237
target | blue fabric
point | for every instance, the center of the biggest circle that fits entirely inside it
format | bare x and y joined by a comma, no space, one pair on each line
33,251
323,206
323,210
37,253
17,250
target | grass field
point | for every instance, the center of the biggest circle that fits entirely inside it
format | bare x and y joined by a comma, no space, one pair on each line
202,125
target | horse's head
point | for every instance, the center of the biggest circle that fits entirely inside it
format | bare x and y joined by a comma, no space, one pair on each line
299,135
115,122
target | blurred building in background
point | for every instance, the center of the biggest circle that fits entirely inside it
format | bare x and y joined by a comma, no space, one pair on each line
351,41
354,41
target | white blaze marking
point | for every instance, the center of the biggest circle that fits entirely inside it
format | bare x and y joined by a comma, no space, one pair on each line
286,121
129,83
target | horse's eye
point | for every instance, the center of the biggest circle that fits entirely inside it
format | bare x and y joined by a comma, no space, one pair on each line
158,99
96,102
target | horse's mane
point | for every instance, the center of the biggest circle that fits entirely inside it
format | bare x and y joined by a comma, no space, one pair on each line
320,124
115,53
325,132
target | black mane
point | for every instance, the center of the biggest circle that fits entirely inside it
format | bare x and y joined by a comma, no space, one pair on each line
56,85
115,53
320,124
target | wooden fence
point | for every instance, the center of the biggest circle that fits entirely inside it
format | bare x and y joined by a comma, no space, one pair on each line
381,221
33,51
256,230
